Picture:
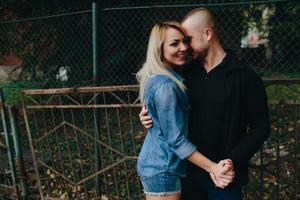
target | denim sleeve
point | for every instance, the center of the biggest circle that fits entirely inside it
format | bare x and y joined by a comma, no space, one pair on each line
171,115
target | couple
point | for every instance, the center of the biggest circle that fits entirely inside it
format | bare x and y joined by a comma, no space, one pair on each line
226,125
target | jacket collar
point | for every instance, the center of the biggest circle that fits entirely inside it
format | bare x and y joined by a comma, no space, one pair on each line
231,61
174,73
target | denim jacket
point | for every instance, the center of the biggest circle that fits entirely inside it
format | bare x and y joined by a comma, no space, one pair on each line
166,143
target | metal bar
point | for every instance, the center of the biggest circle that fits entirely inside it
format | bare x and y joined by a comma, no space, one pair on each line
287,81
57,144
33,100
49,132
78,150
122,145
97,152
96,66
7,186
190,5
67,141
18,149
133,138
267,82
45,17
295,192
83,89
110,143
261,174
131,125
270,102
287,102
102,171
92,99
39,145
101,143
141,7
5,119
50,99
88,136
73,100
31,147
118,98
277,144
84,106
56,172
86,130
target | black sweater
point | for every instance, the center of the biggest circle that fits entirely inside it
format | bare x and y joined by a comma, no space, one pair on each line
229,113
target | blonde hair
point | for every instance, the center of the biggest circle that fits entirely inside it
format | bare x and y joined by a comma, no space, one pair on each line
154,60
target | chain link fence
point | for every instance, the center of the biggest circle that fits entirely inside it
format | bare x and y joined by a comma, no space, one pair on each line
51,47
56,50
263,35
49,52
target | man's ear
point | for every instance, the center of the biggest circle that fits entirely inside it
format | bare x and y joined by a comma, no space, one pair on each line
208,33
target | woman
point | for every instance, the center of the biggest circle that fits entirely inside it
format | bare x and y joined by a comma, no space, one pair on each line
162,90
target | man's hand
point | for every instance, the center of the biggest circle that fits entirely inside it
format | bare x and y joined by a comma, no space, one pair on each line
222,173
144,118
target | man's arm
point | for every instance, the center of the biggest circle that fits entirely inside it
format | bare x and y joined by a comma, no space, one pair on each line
257,117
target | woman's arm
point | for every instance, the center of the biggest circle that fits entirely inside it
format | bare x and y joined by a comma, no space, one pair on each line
222,173
173,123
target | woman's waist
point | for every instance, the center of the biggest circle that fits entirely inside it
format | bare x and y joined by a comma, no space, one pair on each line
147,170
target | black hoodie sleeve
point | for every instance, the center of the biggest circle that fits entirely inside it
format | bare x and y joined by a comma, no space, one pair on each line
257,118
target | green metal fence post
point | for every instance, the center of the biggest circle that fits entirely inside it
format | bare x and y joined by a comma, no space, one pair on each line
18,149
4,116
30,140
96,83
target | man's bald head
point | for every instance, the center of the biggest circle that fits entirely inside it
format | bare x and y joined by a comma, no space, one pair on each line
200,27
199,19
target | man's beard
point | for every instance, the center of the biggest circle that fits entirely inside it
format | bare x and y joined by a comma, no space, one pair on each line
201,55
192,56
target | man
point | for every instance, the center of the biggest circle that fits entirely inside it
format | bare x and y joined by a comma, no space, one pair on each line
229,113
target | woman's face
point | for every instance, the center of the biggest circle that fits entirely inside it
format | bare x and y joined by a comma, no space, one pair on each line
174,48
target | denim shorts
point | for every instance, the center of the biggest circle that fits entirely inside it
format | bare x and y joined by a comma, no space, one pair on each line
162,184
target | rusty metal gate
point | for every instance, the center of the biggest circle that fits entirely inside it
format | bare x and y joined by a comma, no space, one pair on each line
84,141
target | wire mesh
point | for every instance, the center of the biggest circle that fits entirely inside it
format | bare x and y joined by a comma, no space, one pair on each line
63,143
263,43
56,51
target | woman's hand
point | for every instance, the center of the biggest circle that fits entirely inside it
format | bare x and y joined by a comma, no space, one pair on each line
222,173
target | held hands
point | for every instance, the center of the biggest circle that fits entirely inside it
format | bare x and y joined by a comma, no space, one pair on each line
144,118
222,173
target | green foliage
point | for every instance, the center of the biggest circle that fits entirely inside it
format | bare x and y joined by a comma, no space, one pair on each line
12,91
283,92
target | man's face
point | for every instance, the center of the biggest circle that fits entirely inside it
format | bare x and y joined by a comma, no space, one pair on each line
198,43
